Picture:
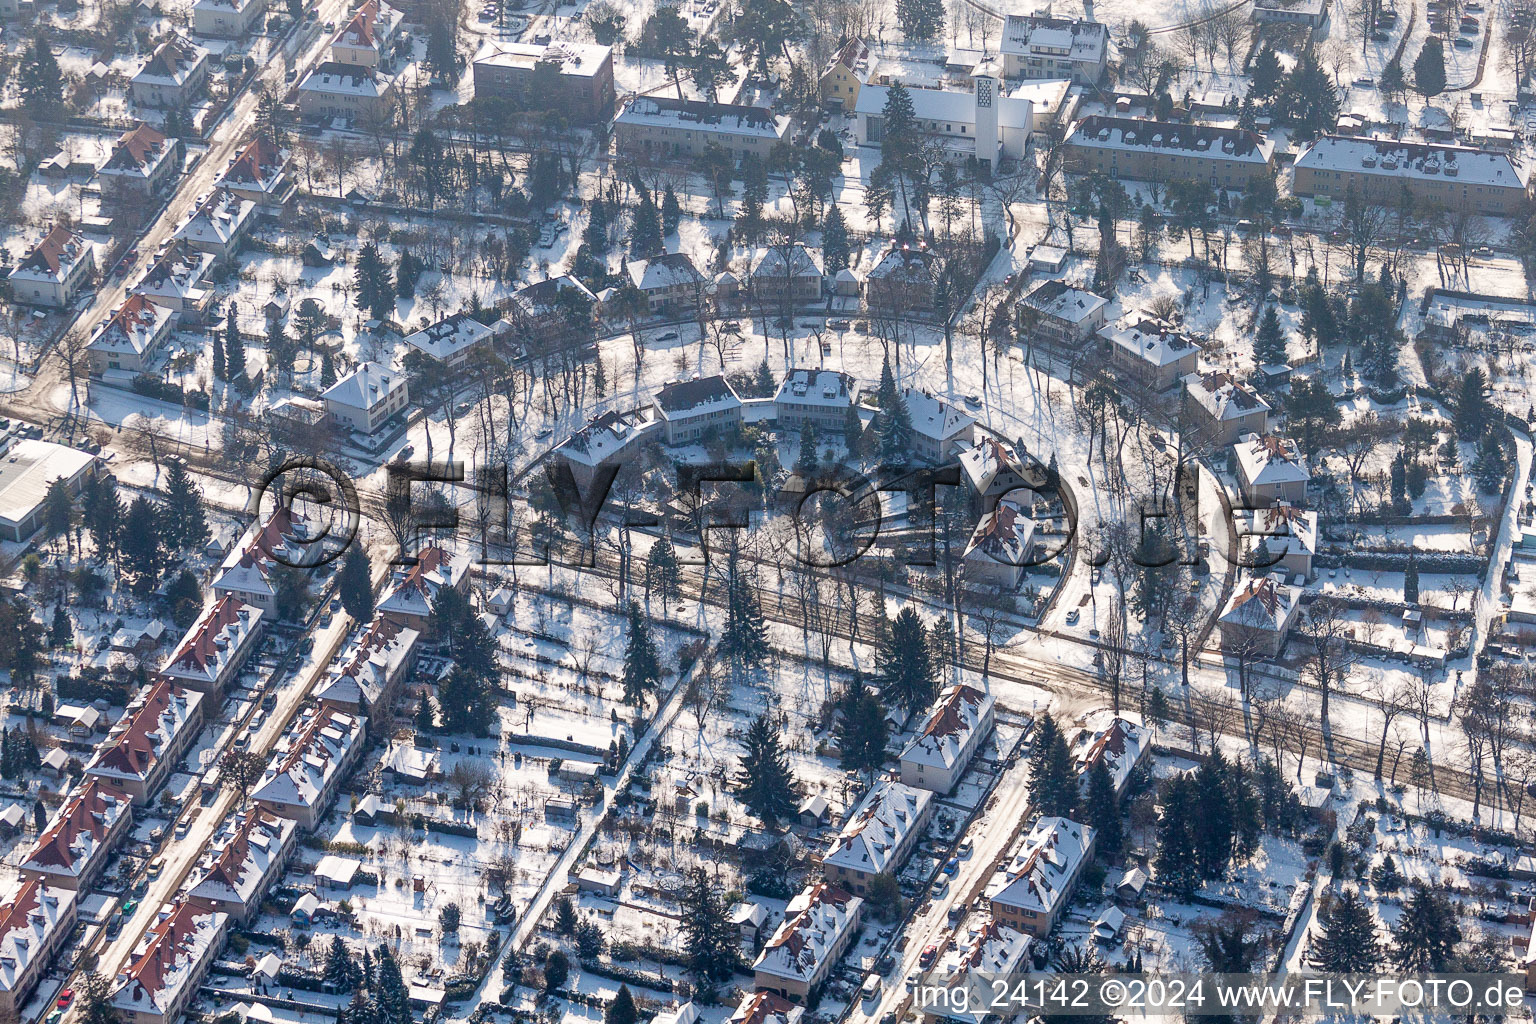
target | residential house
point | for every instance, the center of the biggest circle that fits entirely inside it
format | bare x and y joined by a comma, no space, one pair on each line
149,740
844,75
1146,150
941,749
998,553
765,1008
174,76
1057,313
993,468
260,173
690,410
309,764
660,126
219,226
884,830
904,281
1258,616
365,40
607,439
819,397
350,91
216,646
1281,537
142,161
368,397
1151,352
244,858
226,19
937,426
1307,13
1031,892
969,964
54,270
175,281
575,79
1114,740
1040,46
1433,175
246,572
669,281
169,963
365,678
1224,407
819,925
35,921
80,836
131,337
414,589
792,270
1270,469
452,339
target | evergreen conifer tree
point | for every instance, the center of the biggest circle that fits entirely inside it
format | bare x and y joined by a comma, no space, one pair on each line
1269,342
744,640
711,945
234,348
764,781
185,524
834,241
1427,934
1348,943
642,664
1411,581
906,668
354,585
1103,807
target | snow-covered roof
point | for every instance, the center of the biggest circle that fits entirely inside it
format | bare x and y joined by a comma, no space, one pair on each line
213,641
1136,134
245,851
359,675
989,461
1003,535
1155,342
814,922
879,826
372,24
766,1008
1393,158
830,388
53,258
542,297
956,715
135,327
1223,396
902,263
28,919
935,418
219,220
29,467
946,105
75,833
336,79
168,957
449,336
1115,740
606,435
177,274
1284,529
1043,35
248,563
1060,300
664,270
137,153
414,588
770,262
576,60
308,756
259,166
1270,459
983,953
367,386
1265,603
701,116
1038,878
173,62
149,728
695,397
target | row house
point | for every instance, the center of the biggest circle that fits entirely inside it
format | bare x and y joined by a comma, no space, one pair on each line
35,921
1147,150
365,678
1032,891
992,950
174,76
246,572
1430,174
212,652
414,589
944,745
884,830
247,855
131,337
80,836
167,967
690,410
176,281
309,764
142,161
54,270
149,740
819,925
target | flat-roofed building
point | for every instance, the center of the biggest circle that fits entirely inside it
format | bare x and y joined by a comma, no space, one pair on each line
27,469
575,79
980,122
1380,170
1147,150
660,126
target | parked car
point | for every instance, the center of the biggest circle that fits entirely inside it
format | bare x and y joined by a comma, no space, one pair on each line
669,336
929,954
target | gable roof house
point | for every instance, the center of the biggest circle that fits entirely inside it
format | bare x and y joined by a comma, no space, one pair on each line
169,963
175,281
245,573
797,272
308,765
366,38
884,830
365,678
226,19
367,397
822,397
993,468
1114,740
80,836
1058,313
34,922
937,426
216,646
1380,170
142,161
1224,406
669,281
1287,532
942,748
764,1008
844,75
971,961
1040,46
414,589
244,858
173,76
1151,352
1033,890
903,281
1258,616
1270,469
130,338
1143,149
259,172
149,740
819,924
220,225
54,269
998,553
688,410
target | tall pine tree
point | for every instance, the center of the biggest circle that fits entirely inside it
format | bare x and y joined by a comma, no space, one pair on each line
1427,934
642,665
765,783
185,525
710,943
744,640
1348,943
354,584
906,668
